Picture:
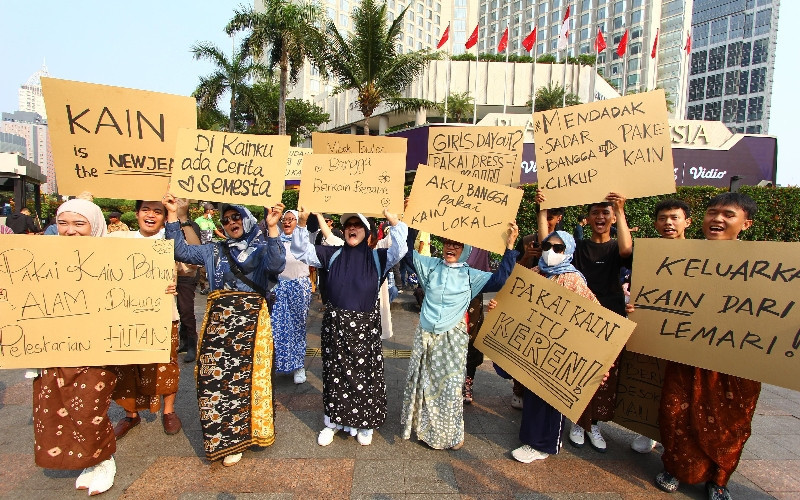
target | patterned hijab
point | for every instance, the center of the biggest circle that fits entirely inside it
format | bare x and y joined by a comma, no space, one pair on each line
89,210
243,247
566,265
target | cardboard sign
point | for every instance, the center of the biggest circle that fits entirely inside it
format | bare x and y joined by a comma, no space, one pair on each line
234,168
492,154
365,183
727,306
462,208
294,163
357,144
622,145
555,342
84,301
112,141
639,393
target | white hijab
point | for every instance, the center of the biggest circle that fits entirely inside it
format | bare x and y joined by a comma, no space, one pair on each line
89,210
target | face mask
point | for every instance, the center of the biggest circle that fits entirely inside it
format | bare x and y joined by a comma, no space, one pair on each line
551,258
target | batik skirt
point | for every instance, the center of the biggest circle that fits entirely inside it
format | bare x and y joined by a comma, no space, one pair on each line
234,365
433,405
289,315
353,384
71,428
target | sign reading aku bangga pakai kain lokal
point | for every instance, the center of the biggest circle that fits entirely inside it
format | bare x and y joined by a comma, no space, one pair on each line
553,341
295,162
84,301
622,145
230,167
492,154
112,141
727,306
461,208
639,393
365,183
323,143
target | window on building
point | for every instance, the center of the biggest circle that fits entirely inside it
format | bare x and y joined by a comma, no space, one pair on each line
410,28
760,52
633,64
619,22
584,34
636,16
763,21
410,14
697,87
636,33
556,4
714,86
601,13
758,80
732,83
755,108
754,129
736,29
601,58
619,7
716,58
741,111
428,25
616,69
410,41
700,35
743,79
729,110
553,44
745,53
542,7
713,110
343,4
699,62
585,18
585,49
694,112
419,34
343,20
734,54
539,49
616,83
633,80
420,8
635,48
438,20
635,3
555,16
586,4
719,30
331,12
541,35
460,14
543,23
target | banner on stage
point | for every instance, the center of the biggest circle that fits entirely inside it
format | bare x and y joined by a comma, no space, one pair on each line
114,142
553,341
491,154
727,306
620,145
84,301
462,208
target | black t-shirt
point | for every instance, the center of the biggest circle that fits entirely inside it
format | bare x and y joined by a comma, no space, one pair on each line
600,264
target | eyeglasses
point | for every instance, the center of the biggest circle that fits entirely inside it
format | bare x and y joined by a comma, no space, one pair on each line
558,247
452,244
289,219
233,217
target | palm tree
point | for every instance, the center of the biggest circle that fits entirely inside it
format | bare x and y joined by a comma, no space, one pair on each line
459,104
289,32
231,75
552,96
368,60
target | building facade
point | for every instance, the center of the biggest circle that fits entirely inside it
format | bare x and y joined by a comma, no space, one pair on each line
733,62
30,93
32,129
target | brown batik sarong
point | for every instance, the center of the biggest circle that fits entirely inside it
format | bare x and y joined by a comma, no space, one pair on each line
234,366
71,428
140,387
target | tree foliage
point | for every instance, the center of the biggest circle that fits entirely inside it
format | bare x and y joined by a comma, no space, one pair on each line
459,106
552,96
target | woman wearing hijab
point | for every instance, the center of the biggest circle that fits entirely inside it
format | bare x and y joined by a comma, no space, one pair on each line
353,385
234,362
289,314
433,403
71,427
541,426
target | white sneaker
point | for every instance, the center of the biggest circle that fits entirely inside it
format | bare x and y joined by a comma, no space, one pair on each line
576,436
596,439
103,477
516,402
326,436
85,479
643,444
231,460
364,437
526,454
299,375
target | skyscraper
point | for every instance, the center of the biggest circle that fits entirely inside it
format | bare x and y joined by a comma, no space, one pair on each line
30,94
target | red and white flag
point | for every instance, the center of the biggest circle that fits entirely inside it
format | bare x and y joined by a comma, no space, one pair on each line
599,42
563,32
655,47
530,40
473,39
688,46
445,36
623,44
503,41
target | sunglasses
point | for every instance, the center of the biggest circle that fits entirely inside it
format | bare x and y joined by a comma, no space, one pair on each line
452,244
233,217
356,224
558,247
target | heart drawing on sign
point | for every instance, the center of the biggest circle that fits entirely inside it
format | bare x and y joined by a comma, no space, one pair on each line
188,184
327,197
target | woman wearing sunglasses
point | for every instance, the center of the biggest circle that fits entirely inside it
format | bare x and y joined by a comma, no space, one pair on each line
235,353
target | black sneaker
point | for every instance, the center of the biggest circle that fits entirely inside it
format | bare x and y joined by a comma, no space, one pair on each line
717,492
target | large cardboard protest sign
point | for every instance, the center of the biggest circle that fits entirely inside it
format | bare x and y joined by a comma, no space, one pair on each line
365,183
639,393
555,342
112,141
492,154
84,301
294,163
230,167
323,143
461,208
727,306
622,145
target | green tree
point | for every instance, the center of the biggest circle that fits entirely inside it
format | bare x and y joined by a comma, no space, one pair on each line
546,59
552,97
368,60
302,117
459,105
289,31
232,75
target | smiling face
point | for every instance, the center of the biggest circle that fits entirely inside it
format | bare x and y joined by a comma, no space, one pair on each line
725,222
354,231
600,219
289,222
451,251
72,224
672,223
233,227
151,217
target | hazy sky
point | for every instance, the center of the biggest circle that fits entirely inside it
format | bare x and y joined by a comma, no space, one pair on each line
145,45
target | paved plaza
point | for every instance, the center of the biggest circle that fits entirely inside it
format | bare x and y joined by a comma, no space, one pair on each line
151,464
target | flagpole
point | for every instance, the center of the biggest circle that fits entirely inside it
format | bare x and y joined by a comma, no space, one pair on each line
447,77
655,65
505,78
475,89
625,71
594,75
564,81
533,78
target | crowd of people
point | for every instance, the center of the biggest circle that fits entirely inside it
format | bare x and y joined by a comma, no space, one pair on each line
260,275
